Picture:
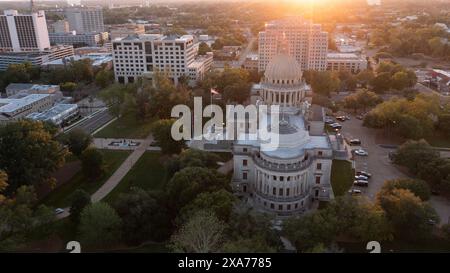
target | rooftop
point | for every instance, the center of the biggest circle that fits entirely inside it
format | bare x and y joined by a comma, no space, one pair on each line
96,58
343,56
56,112
12,105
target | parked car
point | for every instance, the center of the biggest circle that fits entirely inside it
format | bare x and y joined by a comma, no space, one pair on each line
361,183
364,173
355,141
329,120
341,118
361,177
360,117
59,211
355,192
361,152
336,126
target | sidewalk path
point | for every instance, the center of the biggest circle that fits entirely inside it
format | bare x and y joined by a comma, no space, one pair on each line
118,175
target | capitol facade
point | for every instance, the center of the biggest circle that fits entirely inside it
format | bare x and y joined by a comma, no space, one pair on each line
289,179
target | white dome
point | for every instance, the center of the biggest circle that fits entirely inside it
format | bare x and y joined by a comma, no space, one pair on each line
283,68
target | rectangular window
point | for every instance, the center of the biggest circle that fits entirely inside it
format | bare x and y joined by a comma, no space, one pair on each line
287,192
244,176
274,191
280,207
272,206
280,192
244,162
317,179
319,166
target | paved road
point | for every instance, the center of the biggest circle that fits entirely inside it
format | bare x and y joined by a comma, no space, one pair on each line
246,51
378,164
93,122
117,176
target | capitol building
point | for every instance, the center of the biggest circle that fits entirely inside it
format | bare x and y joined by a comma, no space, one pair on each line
291,178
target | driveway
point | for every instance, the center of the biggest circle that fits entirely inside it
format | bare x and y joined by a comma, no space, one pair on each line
378,164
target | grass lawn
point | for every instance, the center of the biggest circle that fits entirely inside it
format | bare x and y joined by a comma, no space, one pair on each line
126,127
438,139
60,197
341,176
148,174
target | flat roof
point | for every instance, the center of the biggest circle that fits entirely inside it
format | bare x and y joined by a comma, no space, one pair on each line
11,105
96,58
57,111
343,56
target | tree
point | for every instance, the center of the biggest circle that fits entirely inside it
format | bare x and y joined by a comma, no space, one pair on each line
365,77
143,216
80,200
77,141
411,153
92,163
19,217
28,154
325,82
20,73
361,100
191,158
444,124
202,233
189,182
418,187
238,92
104,78
203,48
3,185
162,133
400,80
99,226
68,86
409,216
381,82
220,202
114,96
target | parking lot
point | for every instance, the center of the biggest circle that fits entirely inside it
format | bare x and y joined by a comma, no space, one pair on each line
378,164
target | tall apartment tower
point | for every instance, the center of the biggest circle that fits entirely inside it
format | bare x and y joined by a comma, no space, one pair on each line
307,43
85,20
23,32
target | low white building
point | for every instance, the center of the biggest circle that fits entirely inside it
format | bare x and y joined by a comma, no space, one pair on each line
79,39
199,67
16,109
98,60
59,114
346,61
23,89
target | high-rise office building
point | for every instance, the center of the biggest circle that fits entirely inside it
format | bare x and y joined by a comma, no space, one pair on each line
146,54
23,32
85,19
306,42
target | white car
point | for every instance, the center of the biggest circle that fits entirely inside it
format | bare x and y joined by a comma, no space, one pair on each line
361,152
59,211
361,177
355,192
364,173
361,183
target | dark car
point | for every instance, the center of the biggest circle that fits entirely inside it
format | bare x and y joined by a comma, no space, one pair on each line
361,183
355,141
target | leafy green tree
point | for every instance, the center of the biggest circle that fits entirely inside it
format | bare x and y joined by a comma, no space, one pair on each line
28,154
104,78
99,226
68,86
202,233
19,217
444,124
92,163
191,158
114,96
77,141
409,216
365,77
220,202
238,92
162,133
203,48
144,217
20,73
80,200
325,82
381,82
411,153
418,187
189,182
